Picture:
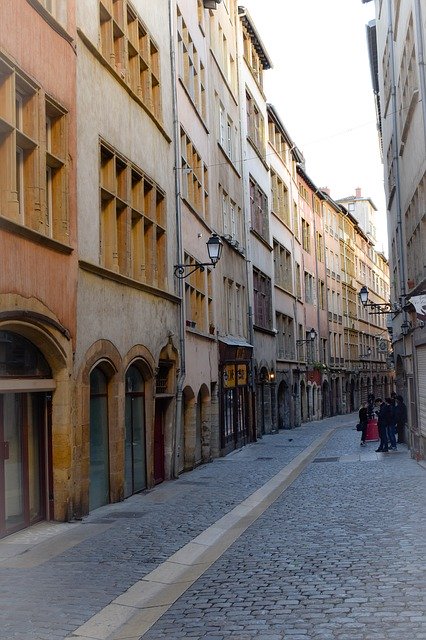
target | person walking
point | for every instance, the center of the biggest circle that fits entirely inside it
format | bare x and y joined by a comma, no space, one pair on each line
390,423
382,420
363,420
400,418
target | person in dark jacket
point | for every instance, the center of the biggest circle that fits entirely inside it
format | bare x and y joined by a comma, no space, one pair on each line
363,419
382,421
390,423
400,417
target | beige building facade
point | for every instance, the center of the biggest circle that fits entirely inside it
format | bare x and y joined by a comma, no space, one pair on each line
127,356
127,353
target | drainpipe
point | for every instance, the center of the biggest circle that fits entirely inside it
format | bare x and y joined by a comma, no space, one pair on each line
179,254
238,13
421,59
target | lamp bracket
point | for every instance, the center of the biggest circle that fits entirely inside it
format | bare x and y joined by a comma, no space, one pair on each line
179,269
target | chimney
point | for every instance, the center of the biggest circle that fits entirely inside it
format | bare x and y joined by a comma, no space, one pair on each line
358,192
326,190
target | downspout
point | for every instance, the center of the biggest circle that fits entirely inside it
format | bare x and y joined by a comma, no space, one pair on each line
179,254
421,63
239,12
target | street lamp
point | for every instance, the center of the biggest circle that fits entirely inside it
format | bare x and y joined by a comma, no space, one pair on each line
378,308
312,336
214,249
367,354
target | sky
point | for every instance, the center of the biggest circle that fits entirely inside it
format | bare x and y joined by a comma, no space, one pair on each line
320,84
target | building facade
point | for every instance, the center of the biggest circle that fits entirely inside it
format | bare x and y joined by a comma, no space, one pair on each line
396,45
38,279
128,356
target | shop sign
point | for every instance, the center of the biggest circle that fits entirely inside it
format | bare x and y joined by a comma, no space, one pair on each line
229,376
241,374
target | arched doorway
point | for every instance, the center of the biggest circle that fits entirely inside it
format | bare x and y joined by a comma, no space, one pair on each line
284,406
99,439
325,399
352,396
25,433
135,442
303,403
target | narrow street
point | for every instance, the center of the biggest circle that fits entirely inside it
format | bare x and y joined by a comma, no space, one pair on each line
337,553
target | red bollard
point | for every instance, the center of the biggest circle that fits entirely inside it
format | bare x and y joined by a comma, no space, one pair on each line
372,430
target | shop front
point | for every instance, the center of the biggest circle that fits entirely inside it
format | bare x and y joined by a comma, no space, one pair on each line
26,387
236,407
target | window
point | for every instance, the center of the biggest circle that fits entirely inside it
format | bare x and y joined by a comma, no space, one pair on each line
255,125
285,336
231,219
133,232
235,308
298,281
33,130
320,247
322,295
259,210
57,9
198,298
283,267
191,69
194,177
277,140
227,134
280,198
262,300
310,297
130,51
306,236
252,58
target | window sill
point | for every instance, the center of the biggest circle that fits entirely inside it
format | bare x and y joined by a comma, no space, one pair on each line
34,236
125,280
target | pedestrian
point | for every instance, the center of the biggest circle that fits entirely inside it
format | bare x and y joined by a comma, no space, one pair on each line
363,421
382,417
400,418
390,423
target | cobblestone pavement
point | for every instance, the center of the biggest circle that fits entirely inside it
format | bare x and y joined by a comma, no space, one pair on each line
50,594
341,554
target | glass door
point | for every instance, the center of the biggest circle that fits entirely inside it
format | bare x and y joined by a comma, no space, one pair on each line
22,460
135,451
99,445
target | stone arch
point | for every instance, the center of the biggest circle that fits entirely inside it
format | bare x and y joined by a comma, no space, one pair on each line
56,346
284,405
303,402
189,405
263,399
325,399
204,423
105,355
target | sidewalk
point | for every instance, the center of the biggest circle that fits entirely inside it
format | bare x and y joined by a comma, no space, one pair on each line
59,580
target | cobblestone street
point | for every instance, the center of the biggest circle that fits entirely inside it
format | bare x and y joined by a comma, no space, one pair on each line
340,553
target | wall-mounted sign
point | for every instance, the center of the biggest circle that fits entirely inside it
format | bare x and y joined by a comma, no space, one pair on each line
241,374
229,376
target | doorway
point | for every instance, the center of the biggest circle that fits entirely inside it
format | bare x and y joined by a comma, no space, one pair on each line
135,448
